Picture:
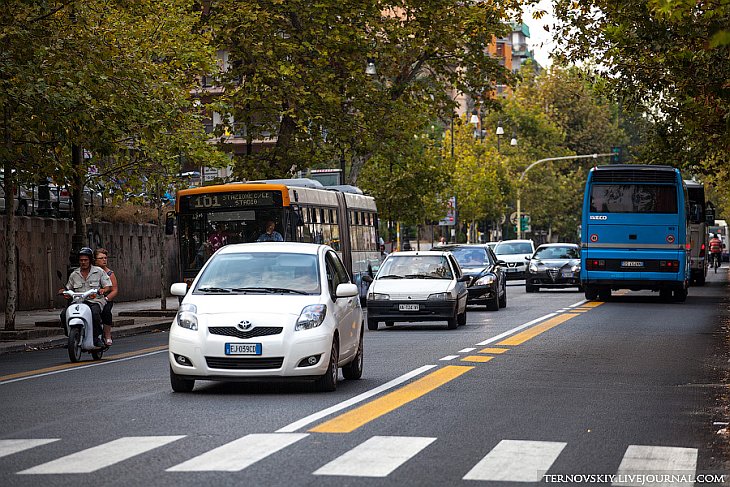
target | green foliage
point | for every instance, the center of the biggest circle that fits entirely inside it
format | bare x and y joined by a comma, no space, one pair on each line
669,62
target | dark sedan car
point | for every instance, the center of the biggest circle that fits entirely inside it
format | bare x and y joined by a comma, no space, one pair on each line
555,265
488,283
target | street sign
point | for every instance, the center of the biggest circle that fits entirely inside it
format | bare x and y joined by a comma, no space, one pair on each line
450,219
210,173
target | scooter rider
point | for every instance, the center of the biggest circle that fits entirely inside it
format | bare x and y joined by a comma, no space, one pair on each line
87,277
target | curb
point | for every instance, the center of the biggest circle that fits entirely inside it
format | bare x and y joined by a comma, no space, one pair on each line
60,340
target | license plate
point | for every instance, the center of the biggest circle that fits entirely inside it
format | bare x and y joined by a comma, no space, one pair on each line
513,269
243,349
632,263
567,273
408,307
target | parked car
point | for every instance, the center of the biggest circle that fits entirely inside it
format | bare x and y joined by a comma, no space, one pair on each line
278,309
418,286
23,201
554,265
488,283
513,252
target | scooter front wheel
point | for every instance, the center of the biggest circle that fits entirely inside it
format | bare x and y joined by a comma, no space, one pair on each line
74,345
97,354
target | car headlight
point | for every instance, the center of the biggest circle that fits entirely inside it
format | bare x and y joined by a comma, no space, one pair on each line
533,267
311,317
187,316
486,280
378,297
575,268
440,297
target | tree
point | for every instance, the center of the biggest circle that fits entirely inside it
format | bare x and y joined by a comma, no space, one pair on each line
668,60
297,71
91,76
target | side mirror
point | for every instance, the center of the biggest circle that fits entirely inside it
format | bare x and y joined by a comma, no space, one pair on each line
501,262
346,290
528,258
709,213
464,279
179,289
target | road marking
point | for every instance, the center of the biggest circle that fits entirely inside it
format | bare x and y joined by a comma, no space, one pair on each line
495,351
98,457
57,369
376,457
659,460
522,337
352,420
8,447
579,303
477,358
240,453
351,402
592,304
516,329
466,350
517,461
449,357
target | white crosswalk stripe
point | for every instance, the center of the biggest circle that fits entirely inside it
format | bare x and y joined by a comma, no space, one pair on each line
517,461
8,447
98,457
239,454
376,457
639,461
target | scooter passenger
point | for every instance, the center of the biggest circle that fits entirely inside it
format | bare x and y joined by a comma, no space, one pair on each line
84,278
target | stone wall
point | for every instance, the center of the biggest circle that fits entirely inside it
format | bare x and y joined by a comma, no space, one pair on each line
43,257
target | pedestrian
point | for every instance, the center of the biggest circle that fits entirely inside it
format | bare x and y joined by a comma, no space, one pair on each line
270,235
85,278
102,260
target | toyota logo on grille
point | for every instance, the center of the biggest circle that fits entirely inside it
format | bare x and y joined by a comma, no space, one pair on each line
244,325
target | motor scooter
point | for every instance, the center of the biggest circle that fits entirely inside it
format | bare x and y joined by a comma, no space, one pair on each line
80,327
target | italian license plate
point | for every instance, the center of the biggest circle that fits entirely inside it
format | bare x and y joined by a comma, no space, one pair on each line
632,264
567,274
408,307
243,349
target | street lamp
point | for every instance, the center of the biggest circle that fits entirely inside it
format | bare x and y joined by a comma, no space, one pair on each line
370,68
522,176
500,132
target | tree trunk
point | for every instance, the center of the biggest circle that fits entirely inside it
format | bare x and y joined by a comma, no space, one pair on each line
162,252
11,274
77,195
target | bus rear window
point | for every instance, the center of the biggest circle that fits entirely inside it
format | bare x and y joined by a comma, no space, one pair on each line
633,198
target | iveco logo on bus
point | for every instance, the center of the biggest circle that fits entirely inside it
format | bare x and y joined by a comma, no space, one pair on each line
598,217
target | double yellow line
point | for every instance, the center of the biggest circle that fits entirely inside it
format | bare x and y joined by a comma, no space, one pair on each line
352,420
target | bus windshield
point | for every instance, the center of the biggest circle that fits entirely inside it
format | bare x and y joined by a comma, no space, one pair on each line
633,198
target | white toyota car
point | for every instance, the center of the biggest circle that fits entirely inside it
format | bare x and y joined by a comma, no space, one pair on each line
268,309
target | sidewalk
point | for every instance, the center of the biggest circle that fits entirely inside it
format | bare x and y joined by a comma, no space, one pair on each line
38,329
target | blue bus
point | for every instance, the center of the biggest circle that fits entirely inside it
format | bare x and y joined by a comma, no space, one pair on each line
635,232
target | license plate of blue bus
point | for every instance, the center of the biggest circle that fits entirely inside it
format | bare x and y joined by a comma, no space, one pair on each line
632,263
243,349
408,307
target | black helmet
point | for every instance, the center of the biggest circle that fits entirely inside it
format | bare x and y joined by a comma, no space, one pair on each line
86,251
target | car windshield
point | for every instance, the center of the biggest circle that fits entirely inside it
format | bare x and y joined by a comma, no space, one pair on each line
260,272
557,253
415,267
511,248
471,257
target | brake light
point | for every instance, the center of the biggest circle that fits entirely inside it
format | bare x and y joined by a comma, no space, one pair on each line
595,264
687,246
669,265
702,250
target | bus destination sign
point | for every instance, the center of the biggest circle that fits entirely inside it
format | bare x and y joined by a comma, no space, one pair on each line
244,199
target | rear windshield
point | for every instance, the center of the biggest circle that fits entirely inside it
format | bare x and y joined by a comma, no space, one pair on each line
557,253
471,257
633,198
512,248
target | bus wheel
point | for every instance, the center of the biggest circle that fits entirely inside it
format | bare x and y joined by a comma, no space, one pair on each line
680,295
665,294
604,294
591,293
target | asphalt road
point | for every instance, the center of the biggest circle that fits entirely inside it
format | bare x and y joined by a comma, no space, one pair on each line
549,386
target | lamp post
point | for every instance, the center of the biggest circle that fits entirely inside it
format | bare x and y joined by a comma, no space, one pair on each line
500,133
522,176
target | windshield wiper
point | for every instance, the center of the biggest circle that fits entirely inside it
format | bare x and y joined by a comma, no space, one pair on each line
423,276
268,290
391,276
213,290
